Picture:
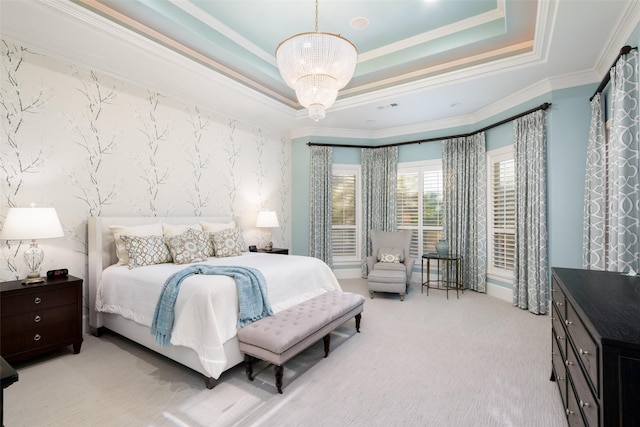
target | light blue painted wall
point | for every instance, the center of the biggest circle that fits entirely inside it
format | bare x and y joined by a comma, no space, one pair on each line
567,132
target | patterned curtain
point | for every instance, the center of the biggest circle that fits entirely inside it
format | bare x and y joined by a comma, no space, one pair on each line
595,198
623,167
531,276
464,170
379,188
611,238
320,189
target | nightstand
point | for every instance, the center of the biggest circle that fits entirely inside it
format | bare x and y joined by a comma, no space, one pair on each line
39,318
280,251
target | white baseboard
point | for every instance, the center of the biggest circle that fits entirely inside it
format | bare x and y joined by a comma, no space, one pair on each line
500,292
347,273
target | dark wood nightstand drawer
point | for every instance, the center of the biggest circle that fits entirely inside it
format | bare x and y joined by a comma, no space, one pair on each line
39,300
54,335
38,319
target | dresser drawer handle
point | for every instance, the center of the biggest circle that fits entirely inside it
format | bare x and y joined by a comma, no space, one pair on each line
560,378
560,337
583,352
584,404
567,363
37,337
569,412
37,300
559,304
554,318
37,318
568,322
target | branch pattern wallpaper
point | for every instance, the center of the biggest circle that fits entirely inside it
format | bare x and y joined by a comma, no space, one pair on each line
90,145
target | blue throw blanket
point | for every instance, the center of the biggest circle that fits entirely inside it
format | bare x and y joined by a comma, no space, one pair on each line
252,297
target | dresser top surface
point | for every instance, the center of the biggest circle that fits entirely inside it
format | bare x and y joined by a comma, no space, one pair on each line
611,302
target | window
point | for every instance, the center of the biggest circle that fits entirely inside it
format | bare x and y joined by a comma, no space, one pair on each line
501,212
419,204
345,238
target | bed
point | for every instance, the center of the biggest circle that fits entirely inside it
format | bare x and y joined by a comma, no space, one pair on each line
123,299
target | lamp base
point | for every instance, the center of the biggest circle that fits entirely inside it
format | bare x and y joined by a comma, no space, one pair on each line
33,280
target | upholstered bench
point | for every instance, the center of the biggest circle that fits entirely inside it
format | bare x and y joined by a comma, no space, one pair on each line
393,281
278,338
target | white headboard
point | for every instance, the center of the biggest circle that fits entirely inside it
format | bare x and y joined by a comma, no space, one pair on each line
102,250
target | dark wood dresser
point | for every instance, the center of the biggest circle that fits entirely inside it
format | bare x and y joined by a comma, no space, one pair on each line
596,346
39,318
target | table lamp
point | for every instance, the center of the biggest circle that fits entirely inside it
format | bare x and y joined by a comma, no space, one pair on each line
31,224
267,220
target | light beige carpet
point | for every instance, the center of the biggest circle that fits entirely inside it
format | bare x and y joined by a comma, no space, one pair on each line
427,361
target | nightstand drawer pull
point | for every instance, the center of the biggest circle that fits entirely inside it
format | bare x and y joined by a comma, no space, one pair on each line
37,318
37,337
568,322
583,352
567,363
584,404
37,300
569,412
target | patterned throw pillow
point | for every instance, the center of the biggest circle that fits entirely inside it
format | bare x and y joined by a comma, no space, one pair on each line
204,242
391,255
228,242
186,247
146,250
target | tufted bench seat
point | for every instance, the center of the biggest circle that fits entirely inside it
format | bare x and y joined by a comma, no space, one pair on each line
278,338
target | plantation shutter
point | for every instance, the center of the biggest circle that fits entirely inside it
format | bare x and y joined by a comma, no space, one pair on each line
343,215
504,214
432,209
407,210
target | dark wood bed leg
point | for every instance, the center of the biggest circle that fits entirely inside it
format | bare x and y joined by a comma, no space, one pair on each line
210,382
248,368
279,374
327,344
358,317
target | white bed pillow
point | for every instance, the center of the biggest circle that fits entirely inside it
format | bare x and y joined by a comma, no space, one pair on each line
213,227
169,230
138,230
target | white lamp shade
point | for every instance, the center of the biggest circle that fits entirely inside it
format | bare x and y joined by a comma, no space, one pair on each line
267,219
31,223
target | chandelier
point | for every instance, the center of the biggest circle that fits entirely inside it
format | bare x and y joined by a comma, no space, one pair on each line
316,65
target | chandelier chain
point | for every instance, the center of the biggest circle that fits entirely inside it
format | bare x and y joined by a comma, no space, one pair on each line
316,16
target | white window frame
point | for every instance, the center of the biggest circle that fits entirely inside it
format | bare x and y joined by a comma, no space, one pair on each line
348,169
420,167
495,156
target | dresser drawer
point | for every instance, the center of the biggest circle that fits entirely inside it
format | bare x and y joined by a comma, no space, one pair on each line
586,348
39,300
16,343
559,301
587,403
557,327
559,369
37,319
574,416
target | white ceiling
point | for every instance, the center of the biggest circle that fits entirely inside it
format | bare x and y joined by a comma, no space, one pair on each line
422,65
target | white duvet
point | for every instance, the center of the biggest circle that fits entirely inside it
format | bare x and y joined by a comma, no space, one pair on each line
206,311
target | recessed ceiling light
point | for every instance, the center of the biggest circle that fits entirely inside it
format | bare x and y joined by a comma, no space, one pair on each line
359,23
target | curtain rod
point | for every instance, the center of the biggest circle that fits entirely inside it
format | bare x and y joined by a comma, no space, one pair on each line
439,138
605,80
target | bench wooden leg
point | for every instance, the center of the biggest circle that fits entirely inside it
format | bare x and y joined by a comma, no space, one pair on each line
248,360
358,317
327,344
279,373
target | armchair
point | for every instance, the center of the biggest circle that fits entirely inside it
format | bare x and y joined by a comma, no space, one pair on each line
390,266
